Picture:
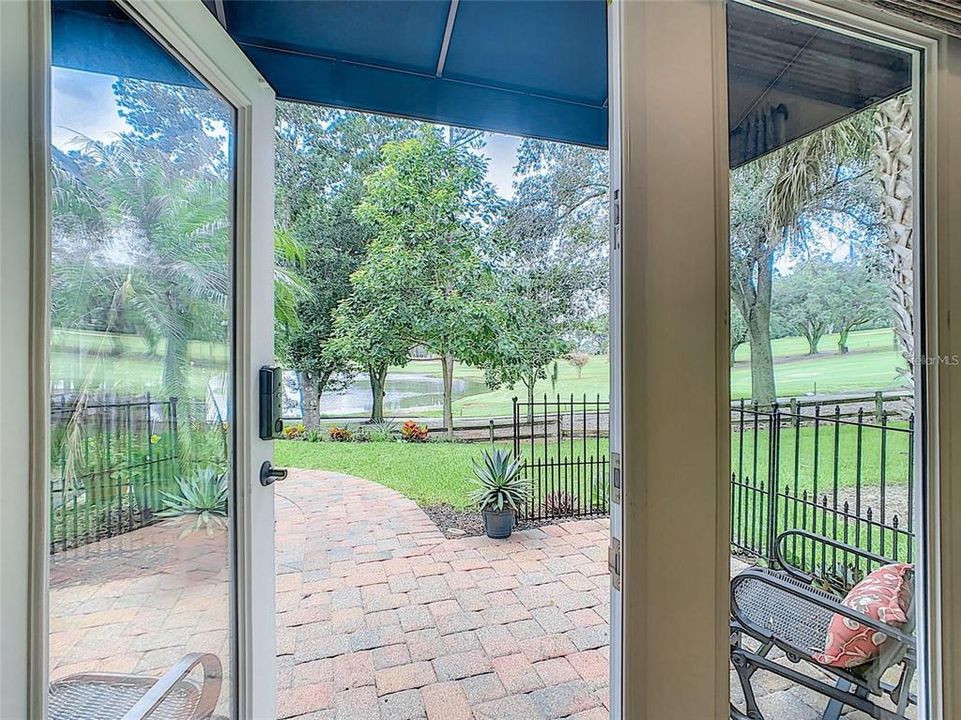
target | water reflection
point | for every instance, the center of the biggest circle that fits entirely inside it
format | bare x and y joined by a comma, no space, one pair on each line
405,392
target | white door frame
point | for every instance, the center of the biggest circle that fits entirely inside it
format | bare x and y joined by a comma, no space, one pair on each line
190,32
669,121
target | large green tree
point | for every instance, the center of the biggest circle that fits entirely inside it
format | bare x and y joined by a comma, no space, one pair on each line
424,277
322,157
551,258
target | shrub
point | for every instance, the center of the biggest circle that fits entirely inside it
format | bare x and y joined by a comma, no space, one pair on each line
499,482
203,494
560,504
340,434
361,433
382,431
294,432
412,432
314,435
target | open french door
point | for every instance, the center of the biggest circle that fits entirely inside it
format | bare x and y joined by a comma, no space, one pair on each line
152,185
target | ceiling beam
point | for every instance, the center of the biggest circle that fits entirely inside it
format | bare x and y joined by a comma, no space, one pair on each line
448,31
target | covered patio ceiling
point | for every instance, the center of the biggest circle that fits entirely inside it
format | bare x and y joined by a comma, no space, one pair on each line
524,67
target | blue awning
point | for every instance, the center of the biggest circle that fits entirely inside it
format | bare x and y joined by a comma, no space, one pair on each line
525,67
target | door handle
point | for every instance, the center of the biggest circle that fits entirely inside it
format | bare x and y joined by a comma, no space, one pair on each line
269,473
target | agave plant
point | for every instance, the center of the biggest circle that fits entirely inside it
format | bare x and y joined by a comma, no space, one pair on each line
203,494
382,431
499,482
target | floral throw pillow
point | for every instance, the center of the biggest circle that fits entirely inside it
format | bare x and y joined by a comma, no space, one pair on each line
884,595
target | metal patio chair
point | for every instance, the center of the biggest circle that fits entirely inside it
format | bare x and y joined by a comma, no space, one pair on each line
112,696
784,609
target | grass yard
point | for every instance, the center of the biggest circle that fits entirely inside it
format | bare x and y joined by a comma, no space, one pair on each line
124,364
879,339
799,466
826,374
428,473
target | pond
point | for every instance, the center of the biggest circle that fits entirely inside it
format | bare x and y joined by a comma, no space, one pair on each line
405,394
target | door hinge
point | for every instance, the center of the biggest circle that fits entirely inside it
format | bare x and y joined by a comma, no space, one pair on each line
614,562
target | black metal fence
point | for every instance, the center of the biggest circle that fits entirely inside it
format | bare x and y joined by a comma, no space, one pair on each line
110,460
847,478
563,448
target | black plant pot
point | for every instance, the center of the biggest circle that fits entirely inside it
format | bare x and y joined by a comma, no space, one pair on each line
498,523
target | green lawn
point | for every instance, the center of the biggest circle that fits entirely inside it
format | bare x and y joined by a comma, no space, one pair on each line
429,473
880,339
125,365
826,373
796,457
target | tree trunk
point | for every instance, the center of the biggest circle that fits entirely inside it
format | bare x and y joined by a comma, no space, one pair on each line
843,340
309,400
529,383
447,367
759,334
814,339
378,379
895,129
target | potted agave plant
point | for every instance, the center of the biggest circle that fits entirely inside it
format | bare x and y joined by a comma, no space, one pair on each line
500,491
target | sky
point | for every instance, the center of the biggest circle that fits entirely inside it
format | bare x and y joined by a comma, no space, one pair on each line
83,104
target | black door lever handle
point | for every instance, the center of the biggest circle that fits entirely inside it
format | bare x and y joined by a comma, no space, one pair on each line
269,473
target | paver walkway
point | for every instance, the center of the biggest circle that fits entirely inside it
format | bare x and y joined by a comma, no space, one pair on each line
380,616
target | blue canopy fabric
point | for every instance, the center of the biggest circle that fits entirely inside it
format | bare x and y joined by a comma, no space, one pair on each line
536,68
525,67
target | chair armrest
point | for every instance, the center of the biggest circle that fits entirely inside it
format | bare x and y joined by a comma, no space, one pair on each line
807,536
213,671
809,596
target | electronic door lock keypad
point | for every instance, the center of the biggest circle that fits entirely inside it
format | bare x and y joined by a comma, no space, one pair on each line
271,402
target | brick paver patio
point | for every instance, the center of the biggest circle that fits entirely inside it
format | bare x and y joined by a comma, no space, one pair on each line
378,614
381,616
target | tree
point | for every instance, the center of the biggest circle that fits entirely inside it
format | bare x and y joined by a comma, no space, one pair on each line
527,341
738,332
579,360
551,258
776,203
323,155
894,133
860,296
424,276
806,299
554,233
365,335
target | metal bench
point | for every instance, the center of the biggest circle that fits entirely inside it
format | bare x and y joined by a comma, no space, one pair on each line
785,609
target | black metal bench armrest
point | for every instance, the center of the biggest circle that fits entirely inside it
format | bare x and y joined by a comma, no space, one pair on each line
810,596
805,535
210,691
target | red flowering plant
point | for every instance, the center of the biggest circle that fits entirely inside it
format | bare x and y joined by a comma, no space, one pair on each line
410,431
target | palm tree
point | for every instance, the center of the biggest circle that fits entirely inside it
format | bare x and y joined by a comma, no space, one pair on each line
773,200
893,133
161,247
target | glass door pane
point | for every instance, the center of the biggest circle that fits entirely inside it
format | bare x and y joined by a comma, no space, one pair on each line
141,370
825,529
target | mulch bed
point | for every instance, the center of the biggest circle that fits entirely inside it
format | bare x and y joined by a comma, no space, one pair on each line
455,523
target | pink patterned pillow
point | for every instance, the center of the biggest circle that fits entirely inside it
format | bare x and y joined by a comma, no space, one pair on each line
884,595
